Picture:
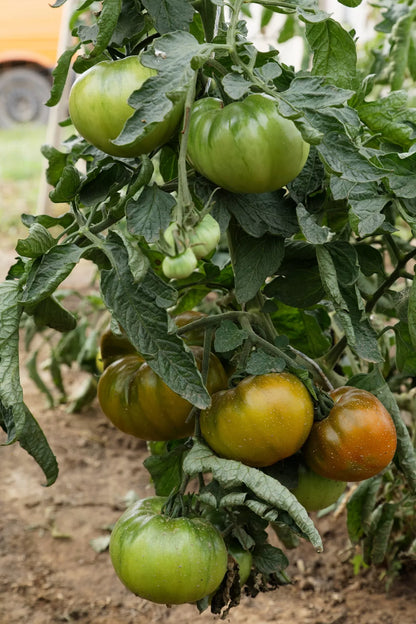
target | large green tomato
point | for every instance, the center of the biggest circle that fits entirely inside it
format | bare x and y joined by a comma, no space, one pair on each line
261,421
245,147
315,492
180,266
138,401
356,440
98,107
167,560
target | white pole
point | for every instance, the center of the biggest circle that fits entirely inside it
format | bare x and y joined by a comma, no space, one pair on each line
58,112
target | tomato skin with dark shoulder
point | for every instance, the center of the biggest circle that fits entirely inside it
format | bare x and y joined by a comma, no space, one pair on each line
138,402
262,420
99,109
245,147
356,441
167,560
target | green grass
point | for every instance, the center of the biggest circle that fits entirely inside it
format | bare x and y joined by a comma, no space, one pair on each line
20,175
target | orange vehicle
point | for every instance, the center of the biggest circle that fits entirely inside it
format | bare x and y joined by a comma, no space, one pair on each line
29,35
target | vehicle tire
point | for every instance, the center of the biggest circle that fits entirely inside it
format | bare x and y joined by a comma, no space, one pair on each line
23,93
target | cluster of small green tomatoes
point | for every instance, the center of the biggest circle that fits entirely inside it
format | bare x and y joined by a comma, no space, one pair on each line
260,422
244,147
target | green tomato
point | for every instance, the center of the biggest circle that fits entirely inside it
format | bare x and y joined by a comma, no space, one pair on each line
167,560
315,492
180,266
244,558
245,147
205,236
98,107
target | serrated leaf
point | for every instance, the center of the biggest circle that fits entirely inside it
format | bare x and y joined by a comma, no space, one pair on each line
254,259
411,313
269,559
50,313
400,39
140,308
38,242
107,23
405,350
67,185
150,213
15,417
170,15
334,53
235,85
260,363
360,506
228,337
49,271
312,231
285,287
391,117
166,470
231,474
60,73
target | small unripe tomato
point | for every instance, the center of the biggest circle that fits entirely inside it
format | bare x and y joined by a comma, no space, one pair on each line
204,238
315,492
356,440
180,266
262,420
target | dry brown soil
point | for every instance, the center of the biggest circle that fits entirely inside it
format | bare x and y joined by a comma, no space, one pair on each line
49,572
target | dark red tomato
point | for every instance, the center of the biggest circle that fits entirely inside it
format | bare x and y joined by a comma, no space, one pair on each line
357,439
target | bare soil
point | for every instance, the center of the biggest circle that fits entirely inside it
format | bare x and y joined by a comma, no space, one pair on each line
50,573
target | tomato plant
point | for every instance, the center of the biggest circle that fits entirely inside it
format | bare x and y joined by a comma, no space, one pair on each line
138,401
261,421
164,559
245,147
99,108
356,440
275,202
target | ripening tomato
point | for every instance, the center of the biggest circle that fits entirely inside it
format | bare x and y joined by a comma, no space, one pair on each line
167,560
138,402
261,421
114,346
357,439
245,147
99,109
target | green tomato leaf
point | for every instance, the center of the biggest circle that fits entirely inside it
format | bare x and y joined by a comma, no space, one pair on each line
38,242
401,36
334,53
254,259
49,270
269,559
405,350
392,118
228,337
150,213
170,15
231,474
313,233
411,313
50,313
360,507
107,23
365,201
103,182
67,185
140,308
60,73
260,363
401,174
15,417
166,470
235,85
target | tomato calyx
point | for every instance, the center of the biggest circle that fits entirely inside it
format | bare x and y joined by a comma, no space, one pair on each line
323,406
